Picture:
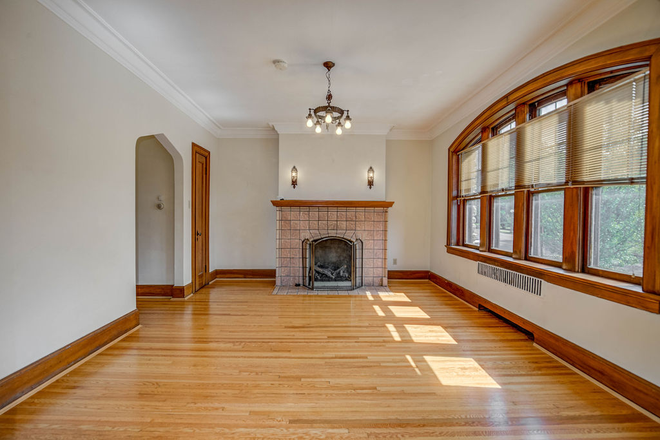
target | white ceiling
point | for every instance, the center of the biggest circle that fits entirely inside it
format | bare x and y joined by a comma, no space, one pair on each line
403,63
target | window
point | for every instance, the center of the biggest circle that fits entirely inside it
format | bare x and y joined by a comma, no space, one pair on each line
616,238
506,124
472,222
502,224
547,226
547,108
571,176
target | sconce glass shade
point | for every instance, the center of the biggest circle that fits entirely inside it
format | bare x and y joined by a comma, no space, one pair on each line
370,177
294,176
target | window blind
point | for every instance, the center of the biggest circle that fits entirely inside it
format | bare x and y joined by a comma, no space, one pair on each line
609,133
499,162
598,139
470,171
542,160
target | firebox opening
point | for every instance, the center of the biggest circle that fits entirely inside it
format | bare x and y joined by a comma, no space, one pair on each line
331,263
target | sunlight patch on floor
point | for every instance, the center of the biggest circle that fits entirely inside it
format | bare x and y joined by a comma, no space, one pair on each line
379,311
429,334
395,296
413,364
462,372
393,332
408,312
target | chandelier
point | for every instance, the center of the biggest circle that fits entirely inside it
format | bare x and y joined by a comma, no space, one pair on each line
328,114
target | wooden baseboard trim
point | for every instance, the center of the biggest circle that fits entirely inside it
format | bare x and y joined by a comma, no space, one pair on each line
629,385
407,274
28,378
154,290
182,291
244,273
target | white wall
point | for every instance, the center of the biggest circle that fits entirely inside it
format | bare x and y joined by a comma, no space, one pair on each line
154,227
620,334
70,117
243,182
409,220
332,167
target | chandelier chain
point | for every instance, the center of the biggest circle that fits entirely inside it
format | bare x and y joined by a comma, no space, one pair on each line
328,96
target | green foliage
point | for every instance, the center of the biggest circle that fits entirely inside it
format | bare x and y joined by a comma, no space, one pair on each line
618,228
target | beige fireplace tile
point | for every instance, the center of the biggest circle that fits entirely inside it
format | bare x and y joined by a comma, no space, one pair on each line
332,215
368,262
341,225
350,214
313,215
286,253
286,224
286,215
295,224
323,215
369,215
359,226
304,215
379,216
359,215
313,224
304,224
323,224
378,253
341,215
285,233
332,224
295,215
368,271
368,253
378,234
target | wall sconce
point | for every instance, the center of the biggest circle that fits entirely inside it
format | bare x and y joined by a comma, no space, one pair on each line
294,177
370,177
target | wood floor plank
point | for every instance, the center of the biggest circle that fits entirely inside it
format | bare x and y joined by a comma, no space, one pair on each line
235,362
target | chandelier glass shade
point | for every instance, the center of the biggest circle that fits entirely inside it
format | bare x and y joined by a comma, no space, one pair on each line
329,114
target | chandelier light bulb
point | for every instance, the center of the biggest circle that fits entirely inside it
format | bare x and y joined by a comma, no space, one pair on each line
318,127
339,129
328,117
309,122
347,123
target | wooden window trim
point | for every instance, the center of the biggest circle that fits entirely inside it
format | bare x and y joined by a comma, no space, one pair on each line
501,123
574,76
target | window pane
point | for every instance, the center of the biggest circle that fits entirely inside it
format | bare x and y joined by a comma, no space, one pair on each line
546,237
472,221
503,223
616,241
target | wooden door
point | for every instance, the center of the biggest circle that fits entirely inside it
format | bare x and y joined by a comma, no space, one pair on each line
200,216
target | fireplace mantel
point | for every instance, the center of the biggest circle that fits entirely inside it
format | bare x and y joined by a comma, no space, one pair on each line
336,203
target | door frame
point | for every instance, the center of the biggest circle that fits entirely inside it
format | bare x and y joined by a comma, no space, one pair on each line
196,149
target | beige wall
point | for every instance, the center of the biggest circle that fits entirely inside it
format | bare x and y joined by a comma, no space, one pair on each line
243,182
409,220
70,118
332,167
154,178
620,334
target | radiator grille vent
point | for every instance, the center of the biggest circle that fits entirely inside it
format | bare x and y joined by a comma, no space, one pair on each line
515,279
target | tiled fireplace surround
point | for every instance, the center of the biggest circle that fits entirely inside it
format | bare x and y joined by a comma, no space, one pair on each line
297,223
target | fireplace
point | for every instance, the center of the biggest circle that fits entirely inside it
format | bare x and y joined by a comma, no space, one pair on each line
332,263
356,232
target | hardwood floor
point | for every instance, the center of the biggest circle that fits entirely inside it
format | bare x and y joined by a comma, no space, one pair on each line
234,361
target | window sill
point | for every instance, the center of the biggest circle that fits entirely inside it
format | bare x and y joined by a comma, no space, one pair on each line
612,290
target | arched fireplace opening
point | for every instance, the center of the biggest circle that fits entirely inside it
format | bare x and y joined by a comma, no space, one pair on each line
332,263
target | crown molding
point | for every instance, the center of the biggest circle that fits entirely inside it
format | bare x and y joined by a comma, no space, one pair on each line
78,15
576,26
361,128
248,133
